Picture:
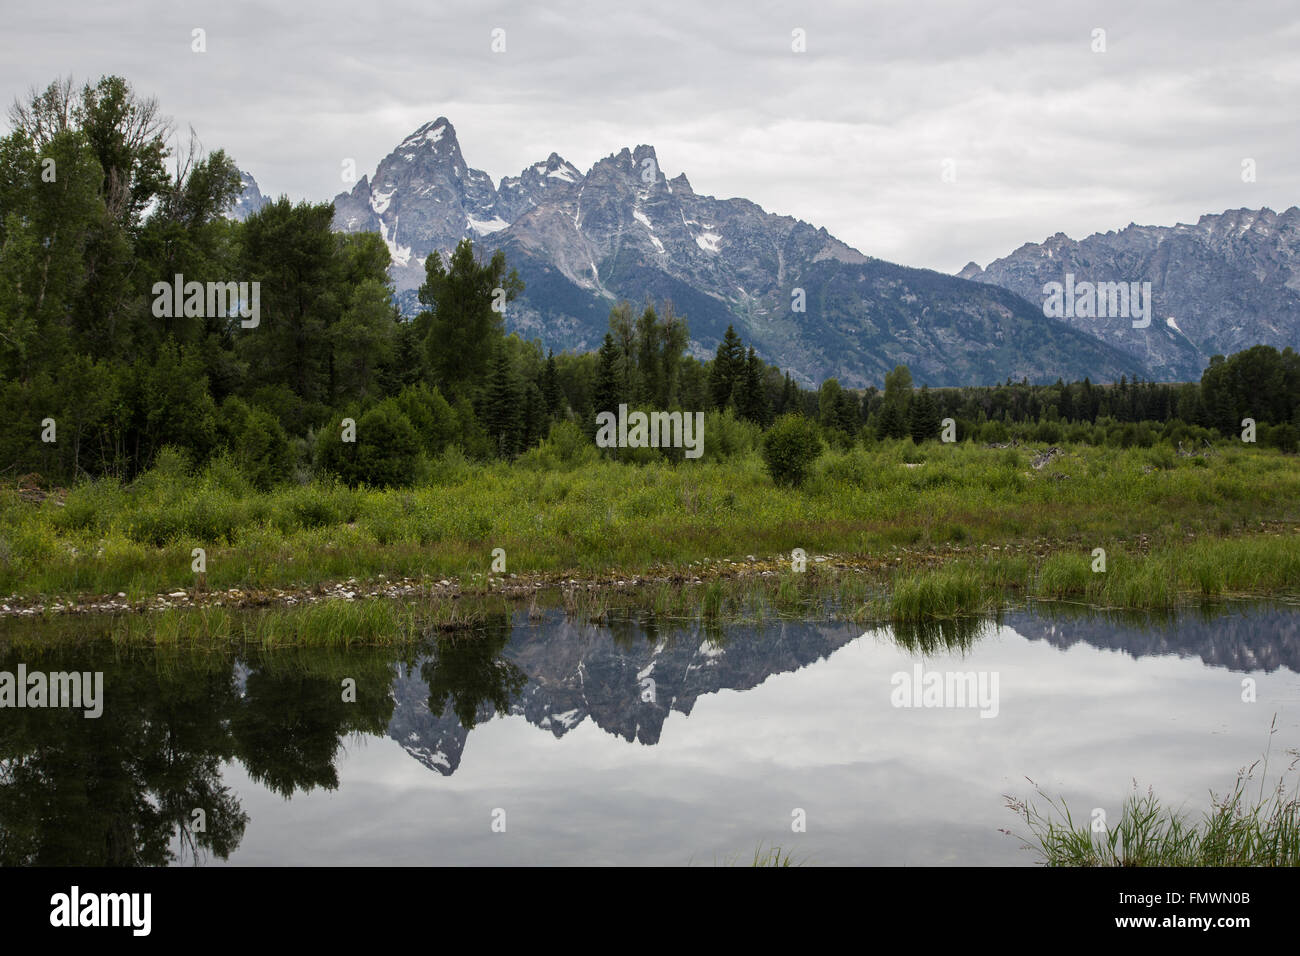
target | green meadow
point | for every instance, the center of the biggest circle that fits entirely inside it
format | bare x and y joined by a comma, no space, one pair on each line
931,530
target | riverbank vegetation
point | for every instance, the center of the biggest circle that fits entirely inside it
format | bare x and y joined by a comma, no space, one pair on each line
946,529
881,504
1247,826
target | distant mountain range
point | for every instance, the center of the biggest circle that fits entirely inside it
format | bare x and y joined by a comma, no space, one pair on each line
1229,282
808,302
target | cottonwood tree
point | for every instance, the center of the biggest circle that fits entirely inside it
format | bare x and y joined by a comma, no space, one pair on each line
290,249
46,228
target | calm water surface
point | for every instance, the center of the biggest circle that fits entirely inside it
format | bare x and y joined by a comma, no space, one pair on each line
639,744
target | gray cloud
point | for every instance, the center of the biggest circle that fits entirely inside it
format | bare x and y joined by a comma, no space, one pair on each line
1046,135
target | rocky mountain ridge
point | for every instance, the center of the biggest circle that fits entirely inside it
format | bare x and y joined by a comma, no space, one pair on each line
809,302
1223,284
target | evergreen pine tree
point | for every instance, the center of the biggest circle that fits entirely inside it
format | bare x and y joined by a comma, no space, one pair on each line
552,396
463,328
502,412
1067,403
890,424
608,389
751,402
787,402
923,417
849,414
728,367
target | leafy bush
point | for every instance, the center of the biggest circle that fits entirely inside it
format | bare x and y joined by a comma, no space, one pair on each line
201,512
91,505
789,449
431,416
289,409
726,436
1048,432
472,437
1284,437
1162,457
257,441
386,451
170,465
223,472
857,468
994,432
566,447
309,506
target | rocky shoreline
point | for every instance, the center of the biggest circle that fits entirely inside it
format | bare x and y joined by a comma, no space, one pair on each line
510,586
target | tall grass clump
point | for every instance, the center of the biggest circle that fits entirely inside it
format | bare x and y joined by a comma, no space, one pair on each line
763,856
773,856
1244,827
1063,576
948,592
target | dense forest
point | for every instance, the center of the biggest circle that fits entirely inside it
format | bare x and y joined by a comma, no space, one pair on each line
100,205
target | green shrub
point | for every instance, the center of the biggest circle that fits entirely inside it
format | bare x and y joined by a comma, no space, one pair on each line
1285,437
1079,434
726,436
171,464
857,468
386,451
257,442
789,449
224,473
431,416
288,408
994,433
306,507
90,506
566,447
1048,432
472,437
1162,457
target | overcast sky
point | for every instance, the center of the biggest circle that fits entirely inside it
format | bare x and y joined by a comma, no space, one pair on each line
1045,135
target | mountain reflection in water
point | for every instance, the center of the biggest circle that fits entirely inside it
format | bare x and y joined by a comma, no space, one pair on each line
123,789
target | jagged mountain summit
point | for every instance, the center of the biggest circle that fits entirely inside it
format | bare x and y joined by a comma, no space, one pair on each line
623,230
250,198
1228,282
423,197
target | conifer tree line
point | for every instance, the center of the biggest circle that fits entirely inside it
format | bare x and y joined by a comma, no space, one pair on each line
100,200
1259,383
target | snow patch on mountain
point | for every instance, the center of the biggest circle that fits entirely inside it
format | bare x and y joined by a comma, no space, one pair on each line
708,241
642,218
401,254
486,227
